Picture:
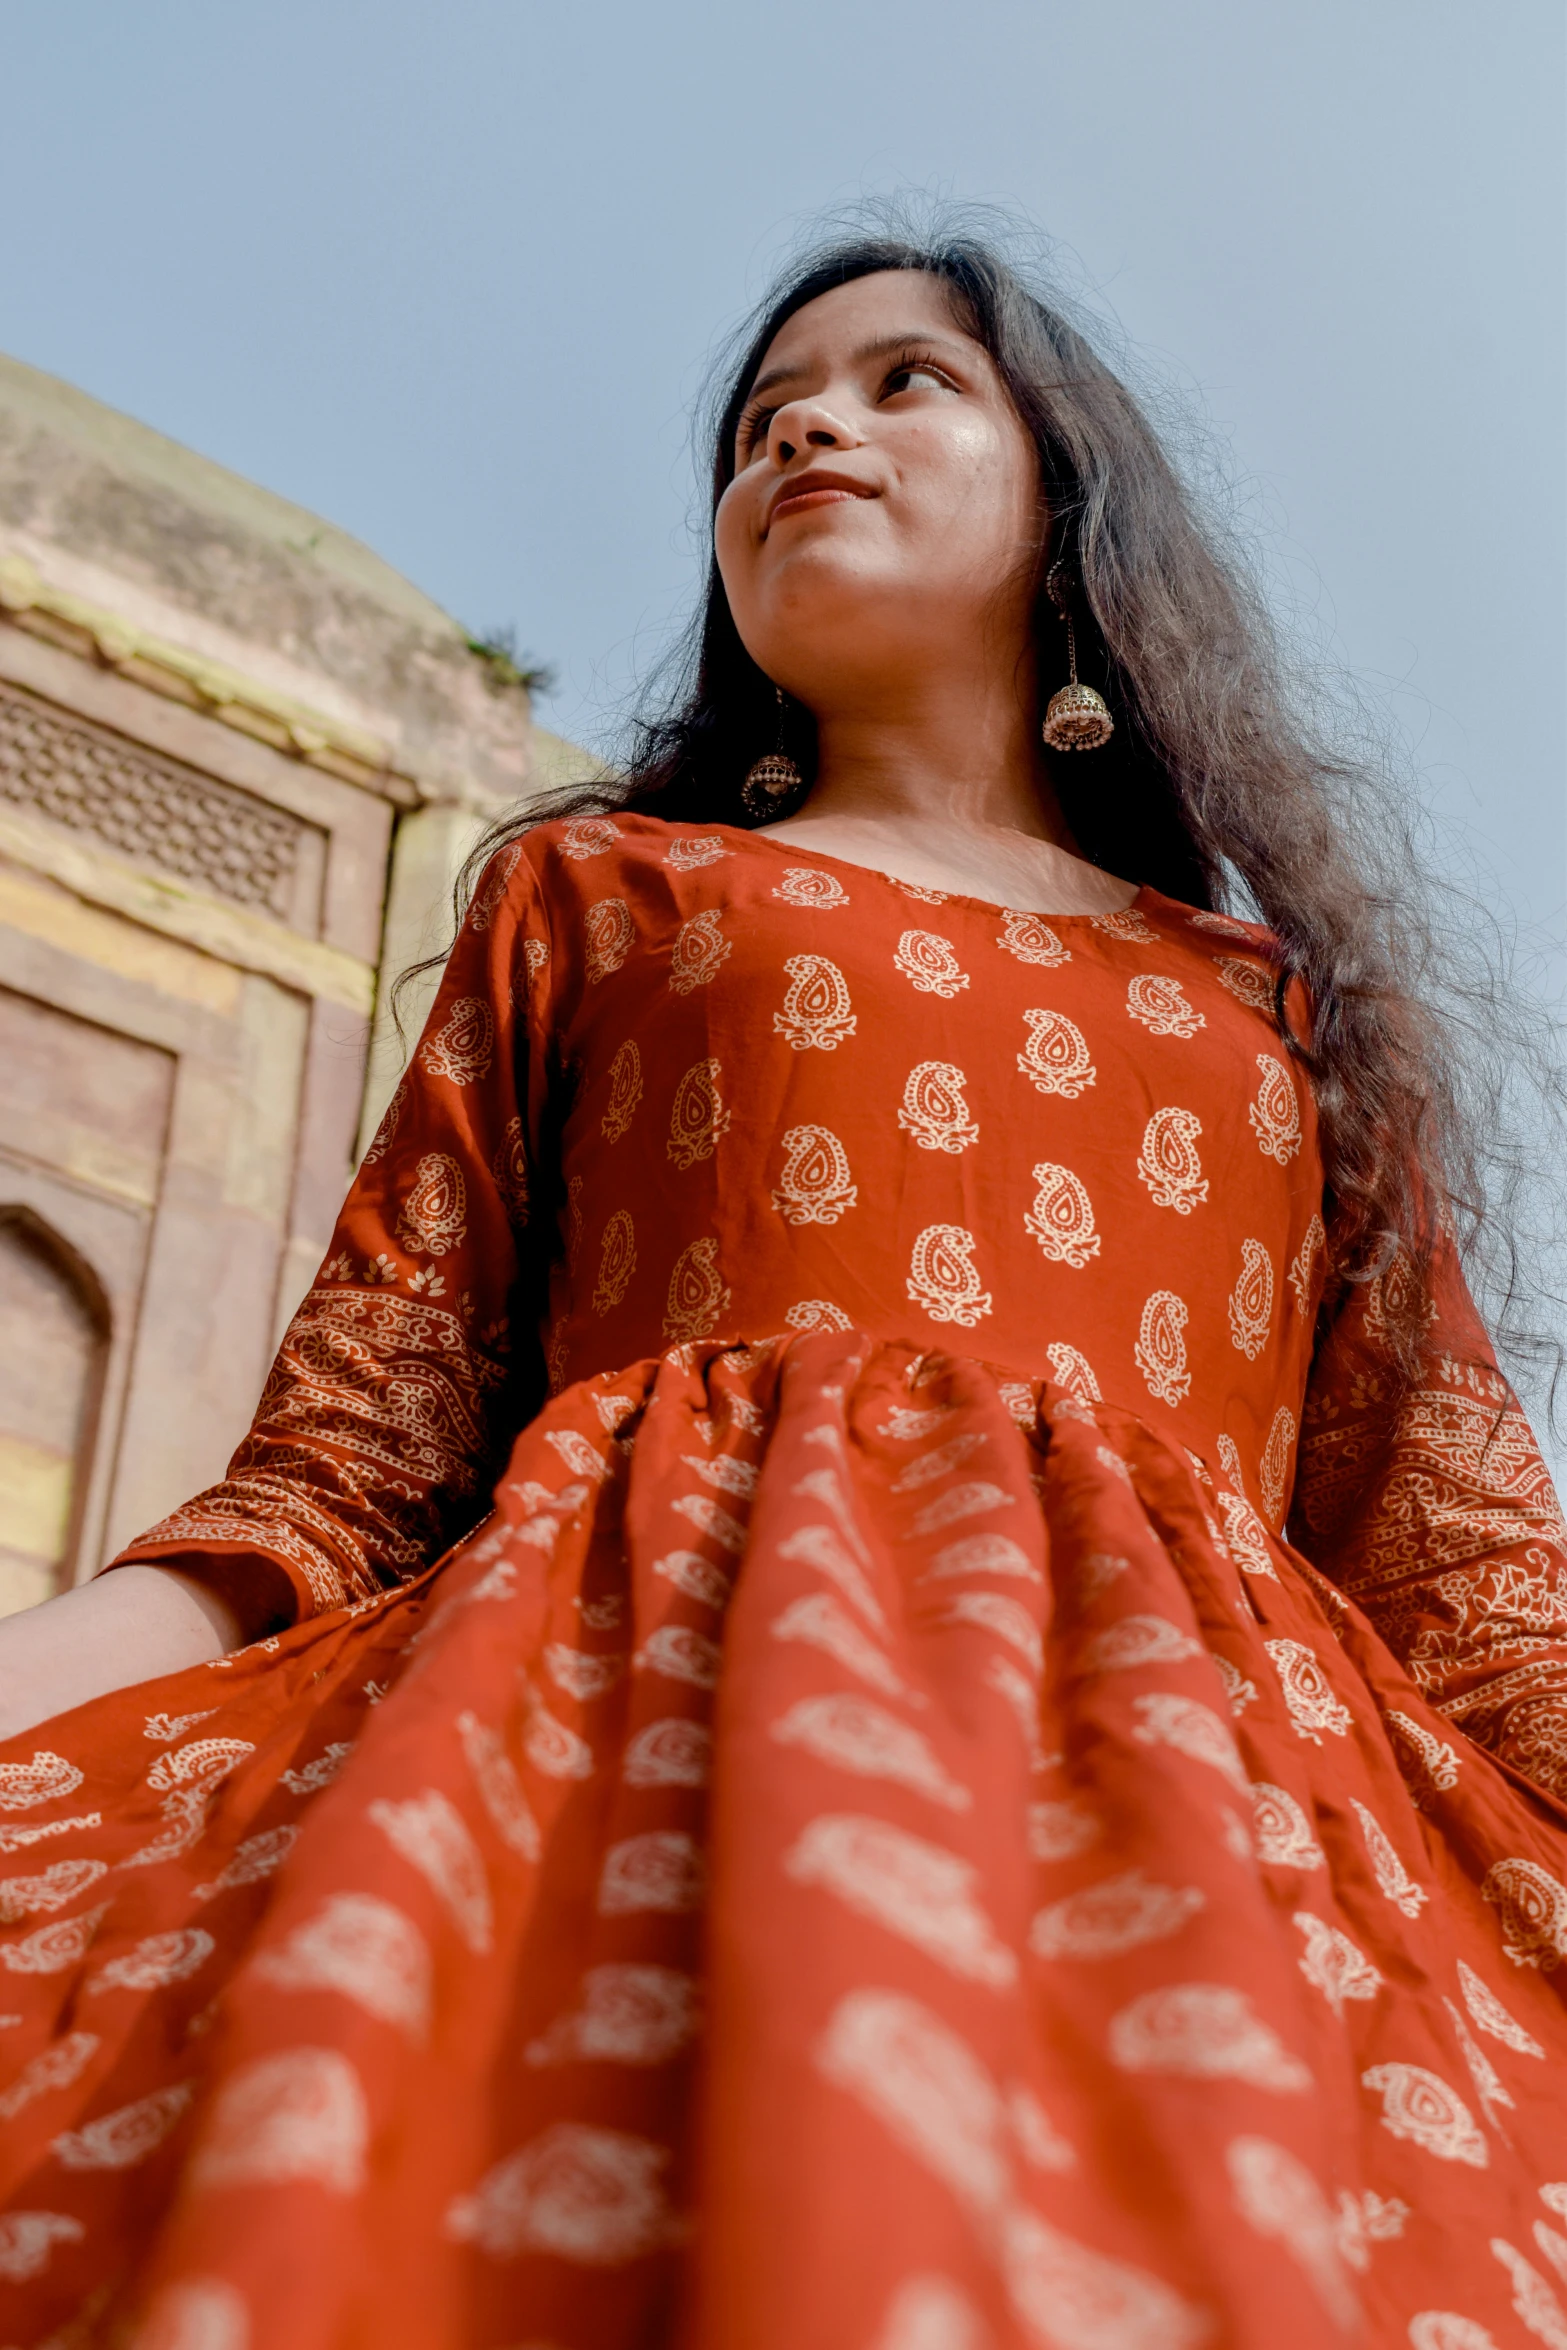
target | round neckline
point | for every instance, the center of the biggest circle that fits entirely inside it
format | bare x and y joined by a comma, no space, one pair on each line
949,897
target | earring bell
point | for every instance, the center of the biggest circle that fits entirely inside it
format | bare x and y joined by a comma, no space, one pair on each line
771,779
1076,717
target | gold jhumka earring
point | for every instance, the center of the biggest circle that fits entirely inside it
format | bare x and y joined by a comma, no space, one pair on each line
1076,718
773,778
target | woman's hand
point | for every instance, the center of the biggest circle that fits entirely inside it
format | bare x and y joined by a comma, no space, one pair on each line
129,1626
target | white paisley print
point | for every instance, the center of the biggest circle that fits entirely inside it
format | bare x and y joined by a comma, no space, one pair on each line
814,1187
1055,1059
933,1109
1162,1007
1030,938
1275,1114
608,935
1168,1162
699,949
1062,1217
808,885
942,1278
816,1012
1161,1347
1251,1301
927,959
1313,1708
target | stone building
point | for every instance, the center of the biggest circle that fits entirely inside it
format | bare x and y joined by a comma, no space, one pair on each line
240,761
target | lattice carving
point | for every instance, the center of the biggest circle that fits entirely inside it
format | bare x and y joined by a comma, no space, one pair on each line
148,808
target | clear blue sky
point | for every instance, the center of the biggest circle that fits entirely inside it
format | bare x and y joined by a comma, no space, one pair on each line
448,274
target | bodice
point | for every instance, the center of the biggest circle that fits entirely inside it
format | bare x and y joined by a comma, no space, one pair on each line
797,1091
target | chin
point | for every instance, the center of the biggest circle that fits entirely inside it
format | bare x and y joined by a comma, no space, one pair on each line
822,588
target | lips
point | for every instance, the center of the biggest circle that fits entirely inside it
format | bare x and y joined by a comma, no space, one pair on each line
816,488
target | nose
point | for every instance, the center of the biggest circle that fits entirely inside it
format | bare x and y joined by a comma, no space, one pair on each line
804,425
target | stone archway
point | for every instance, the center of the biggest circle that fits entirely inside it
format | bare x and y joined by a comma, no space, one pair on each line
54,1331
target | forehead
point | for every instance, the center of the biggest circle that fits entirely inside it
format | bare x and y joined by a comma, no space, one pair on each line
888,304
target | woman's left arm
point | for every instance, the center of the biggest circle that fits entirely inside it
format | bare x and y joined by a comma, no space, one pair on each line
1430,1506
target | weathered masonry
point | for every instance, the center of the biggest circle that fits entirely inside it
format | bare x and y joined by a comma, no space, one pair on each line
240,760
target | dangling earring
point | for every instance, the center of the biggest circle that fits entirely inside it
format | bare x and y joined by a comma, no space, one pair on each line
1076,718
774,777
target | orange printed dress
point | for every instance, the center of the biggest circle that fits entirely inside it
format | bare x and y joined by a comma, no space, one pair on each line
872,1836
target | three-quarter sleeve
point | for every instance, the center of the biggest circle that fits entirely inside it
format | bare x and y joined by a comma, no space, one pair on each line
1430,1506
414,1357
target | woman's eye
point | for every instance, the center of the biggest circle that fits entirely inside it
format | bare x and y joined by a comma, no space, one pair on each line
904,379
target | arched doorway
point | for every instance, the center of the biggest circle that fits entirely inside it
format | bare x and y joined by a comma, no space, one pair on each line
54,1328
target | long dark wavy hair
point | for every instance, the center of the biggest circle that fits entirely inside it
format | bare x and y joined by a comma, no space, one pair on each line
1223,785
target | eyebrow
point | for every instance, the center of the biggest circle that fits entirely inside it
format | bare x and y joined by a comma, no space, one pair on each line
882,348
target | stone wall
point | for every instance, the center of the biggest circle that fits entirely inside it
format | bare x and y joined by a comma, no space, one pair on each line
240,762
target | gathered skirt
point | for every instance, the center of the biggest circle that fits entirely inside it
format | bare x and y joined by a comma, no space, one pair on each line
847,1855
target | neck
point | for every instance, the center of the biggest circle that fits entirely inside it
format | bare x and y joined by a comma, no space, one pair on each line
944,754
943,783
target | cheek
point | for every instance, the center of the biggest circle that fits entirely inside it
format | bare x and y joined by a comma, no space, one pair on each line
734,541
977,489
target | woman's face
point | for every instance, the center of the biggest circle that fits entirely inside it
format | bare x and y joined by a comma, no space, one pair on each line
885,512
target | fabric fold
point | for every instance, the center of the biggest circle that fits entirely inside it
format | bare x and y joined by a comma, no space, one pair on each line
851,1850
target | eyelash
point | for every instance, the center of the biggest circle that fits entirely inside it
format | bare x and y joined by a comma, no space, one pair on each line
755,419
922,360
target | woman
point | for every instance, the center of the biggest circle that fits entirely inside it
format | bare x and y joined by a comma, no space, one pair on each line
873,1836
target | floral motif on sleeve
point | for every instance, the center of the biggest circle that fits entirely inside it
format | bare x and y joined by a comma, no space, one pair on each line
1434,1510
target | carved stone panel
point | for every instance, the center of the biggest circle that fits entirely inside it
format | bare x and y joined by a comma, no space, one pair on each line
156,812
79,1098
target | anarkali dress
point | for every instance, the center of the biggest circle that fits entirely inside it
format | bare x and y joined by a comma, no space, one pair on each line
968,1778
